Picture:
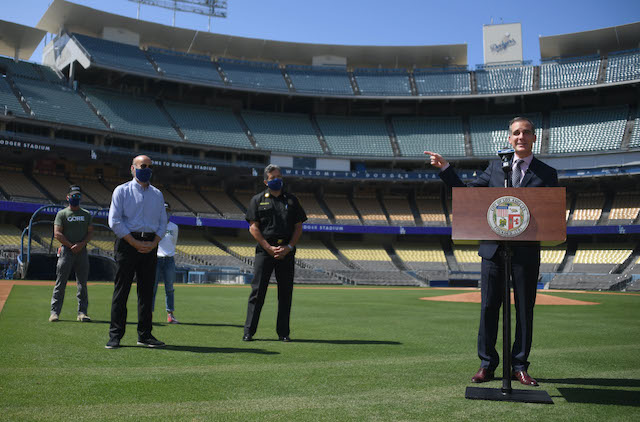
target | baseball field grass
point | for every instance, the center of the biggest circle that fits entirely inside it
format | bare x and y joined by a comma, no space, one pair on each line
359,354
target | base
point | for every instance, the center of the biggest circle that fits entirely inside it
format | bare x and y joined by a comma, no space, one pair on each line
496,394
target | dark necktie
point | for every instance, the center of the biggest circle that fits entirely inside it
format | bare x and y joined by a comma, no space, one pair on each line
517,175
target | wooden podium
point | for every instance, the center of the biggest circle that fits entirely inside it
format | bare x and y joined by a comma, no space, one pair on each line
509,216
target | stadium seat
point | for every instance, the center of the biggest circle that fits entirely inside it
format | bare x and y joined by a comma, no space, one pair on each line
634,142
625,207
490,133
600,258
433,82
588,208
320,80
341,209
383,82
57,103
8,101
186,67
399,210
569,73
208,125
312,208
369,209
594,129
115,55
254,74
138,116
351,136
623,66
505,78
467,257
291,133
430,209
19,187
219,199
444,135
421,256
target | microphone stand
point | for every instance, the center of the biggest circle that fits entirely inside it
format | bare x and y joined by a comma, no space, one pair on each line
506,299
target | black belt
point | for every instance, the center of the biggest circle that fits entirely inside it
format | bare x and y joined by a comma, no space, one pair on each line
278,241
143,235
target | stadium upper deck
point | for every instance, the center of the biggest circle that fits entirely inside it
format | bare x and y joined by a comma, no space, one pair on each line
135,93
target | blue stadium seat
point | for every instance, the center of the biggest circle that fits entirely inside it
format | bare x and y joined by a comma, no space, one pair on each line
137,116
623,66
115,55
252,74
210,126
444,135
57,103
356,136
8,101
442,81
383,81
320,80
595,129
635,135
505,78
186,67
490,133
283,132
569,73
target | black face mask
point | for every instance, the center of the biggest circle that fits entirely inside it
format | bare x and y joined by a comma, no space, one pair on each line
74,200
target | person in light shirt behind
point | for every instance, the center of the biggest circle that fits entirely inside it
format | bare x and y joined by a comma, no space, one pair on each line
166,268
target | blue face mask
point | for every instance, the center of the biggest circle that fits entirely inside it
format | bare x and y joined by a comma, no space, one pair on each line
275,184
74,200
143,175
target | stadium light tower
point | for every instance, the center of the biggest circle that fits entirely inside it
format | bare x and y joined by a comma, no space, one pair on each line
210,8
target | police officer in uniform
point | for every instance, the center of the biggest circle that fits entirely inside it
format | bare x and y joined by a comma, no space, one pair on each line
275,220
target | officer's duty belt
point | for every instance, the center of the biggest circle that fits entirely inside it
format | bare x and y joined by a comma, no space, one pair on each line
278,242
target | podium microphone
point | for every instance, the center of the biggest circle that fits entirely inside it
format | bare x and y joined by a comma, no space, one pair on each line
506,155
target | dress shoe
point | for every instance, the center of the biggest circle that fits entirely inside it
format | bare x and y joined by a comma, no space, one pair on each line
286,339
247,337
524,378
483,375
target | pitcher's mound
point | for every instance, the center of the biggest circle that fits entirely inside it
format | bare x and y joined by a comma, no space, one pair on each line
541,299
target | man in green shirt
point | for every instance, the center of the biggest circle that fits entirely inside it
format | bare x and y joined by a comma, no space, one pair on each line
72,227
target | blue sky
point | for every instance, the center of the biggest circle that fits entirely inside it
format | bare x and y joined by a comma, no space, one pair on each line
373,22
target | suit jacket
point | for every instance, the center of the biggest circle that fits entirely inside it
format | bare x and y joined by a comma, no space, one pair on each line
538,175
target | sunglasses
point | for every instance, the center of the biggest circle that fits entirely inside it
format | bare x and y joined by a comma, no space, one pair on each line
146,166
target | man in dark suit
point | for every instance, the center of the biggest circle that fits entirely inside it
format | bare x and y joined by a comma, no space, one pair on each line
527,171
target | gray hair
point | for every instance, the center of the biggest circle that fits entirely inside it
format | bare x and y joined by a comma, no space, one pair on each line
269,169
522,119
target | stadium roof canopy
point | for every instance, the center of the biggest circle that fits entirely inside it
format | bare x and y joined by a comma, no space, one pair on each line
19,41
65,16
598,41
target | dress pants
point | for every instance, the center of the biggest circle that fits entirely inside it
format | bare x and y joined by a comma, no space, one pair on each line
524,276
263,265
130,262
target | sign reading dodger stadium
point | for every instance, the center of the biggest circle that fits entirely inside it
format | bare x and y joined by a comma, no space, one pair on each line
508,216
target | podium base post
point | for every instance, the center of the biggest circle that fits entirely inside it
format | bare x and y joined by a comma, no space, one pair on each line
496,394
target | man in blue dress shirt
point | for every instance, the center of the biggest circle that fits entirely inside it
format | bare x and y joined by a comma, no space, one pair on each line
138,219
